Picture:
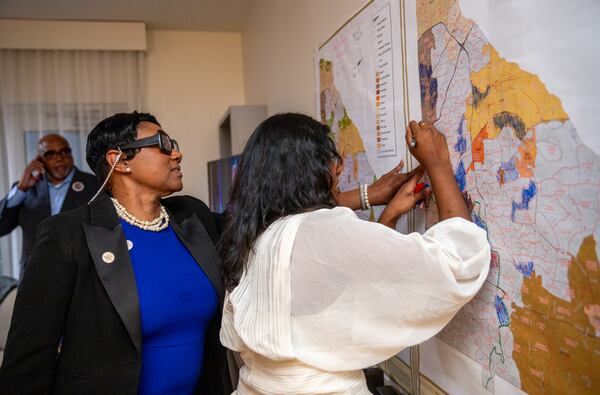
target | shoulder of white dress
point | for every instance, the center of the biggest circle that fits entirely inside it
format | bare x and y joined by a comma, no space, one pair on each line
457,223
333,213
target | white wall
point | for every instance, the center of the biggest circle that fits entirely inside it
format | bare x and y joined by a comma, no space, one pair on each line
191,79
279,41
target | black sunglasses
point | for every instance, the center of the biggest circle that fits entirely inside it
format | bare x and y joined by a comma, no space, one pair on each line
53,155
164,142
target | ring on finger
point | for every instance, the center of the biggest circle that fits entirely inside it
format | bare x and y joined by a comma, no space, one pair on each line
422,123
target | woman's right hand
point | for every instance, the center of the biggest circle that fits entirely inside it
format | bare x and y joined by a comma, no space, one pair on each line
431,148
431,151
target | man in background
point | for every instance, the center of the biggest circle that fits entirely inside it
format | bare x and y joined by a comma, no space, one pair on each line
50,184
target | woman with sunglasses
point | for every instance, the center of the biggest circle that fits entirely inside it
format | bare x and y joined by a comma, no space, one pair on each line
124,296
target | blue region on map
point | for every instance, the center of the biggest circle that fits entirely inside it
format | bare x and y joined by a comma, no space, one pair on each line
501,311
525,268
460,176
461,143
526,195
479,222
510,173
425,73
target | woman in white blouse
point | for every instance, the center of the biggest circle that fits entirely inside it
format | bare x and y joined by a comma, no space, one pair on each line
316,294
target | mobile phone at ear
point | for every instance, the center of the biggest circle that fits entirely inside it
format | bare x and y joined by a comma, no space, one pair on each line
36,172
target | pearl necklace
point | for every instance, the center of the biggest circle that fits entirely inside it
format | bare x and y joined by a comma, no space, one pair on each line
156,225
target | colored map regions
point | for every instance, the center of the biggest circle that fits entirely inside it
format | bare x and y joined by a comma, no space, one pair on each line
515,98
547,326
501,311
522,164
344,131
461,142
460,175
440,12
508,172
525,268
535,188
526,196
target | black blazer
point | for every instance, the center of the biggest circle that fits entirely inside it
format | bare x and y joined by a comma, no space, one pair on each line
69,292
36,207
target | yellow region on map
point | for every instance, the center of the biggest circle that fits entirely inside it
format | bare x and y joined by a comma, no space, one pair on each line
555,344
348,138
506,89
435,15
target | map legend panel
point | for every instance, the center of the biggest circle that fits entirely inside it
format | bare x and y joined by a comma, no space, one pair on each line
385,123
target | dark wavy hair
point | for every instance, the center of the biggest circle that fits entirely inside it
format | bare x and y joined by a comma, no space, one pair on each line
284,169
111,133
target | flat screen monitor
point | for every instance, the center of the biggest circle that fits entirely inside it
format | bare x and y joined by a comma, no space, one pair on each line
221,174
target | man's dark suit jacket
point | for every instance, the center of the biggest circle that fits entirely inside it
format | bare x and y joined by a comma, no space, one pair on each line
69,292
36,207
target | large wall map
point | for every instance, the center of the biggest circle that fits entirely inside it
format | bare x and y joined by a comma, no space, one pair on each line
536,188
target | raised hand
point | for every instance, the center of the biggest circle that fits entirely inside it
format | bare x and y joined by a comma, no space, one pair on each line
32,174
429,147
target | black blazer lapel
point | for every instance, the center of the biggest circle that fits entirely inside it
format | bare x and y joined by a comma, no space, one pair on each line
108,248
198,242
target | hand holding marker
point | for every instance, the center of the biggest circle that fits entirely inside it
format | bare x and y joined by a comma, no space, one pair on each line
418,188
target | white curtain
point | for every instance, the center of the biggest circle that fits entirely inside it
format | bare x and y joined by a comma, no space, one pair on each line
65,92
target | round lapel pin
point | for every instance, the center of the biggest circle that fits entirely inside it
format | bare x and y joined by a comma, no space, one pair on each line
108,257
78,186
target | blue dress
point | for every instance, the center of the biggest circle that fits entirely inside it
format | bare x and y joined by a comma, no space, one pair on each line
177,302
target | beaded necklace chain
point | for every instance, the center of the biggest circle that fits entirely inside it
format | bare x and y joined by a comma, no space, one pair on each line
156,225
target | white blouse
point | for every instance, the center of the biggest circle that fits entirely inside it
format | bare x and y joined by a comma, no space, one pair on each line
326,294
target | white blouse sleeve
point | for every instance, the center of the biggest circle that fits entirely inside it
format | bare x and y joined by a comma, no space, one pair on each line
361,292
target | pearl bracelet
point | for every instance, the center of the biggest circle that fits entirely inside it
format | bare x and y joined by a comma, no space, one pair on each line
361,195
365,193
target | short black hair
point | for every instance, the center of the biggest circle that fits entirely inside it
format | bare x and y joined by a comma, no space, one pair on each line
110,133
284,169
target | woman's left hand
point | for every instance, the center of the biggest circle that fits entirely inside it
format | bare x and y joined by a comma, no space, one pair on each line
380,192
384,189
404,199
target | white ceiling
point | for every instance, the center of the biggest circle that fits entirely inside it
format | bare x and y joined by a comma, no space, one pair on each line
200,15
